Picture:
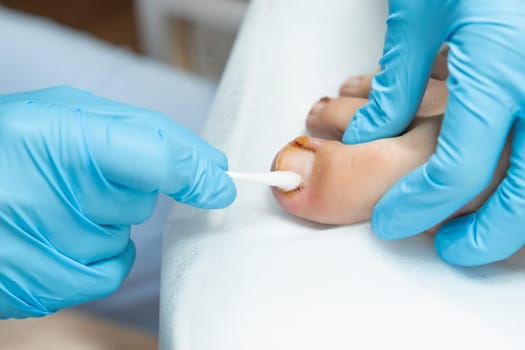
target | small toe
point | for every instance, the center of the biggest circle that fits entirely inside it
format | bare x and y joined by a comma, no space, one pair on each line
329,117
358,86
440,68
435,99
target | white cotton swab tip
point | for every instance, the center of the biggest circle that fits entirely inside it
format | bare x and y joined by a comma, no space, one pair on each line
285,180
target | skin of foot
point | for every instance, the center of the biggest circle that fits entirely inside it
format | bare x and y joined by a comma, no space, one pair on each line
342,183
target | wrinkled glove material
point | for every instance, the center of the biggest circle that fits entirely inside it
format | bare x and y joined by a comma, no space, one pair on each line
486,105
76,171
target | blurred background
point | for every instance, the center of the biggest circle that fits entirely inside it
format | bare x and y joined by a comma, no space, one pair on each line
194,37
113,21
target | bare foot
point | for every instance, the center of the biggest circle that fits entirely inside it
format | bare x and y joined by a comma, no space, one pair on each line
342,183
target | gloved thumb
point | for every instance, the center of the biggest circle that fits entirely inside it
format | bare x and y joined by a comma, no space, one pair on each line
156,157
408,56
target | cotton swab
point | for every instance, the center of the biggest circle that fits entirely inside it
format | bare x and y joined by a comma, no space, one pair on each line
285,180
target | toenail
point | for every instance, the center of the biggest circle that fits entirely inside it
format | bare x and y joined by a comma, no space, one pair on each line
319,105
298,156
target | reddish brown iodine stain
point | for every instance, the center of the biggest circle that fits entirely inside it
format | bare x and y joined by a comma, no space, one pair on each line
302,142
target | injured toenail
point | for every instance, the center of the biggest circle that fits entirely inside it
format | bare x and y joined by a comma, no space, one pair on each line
303,142
297,156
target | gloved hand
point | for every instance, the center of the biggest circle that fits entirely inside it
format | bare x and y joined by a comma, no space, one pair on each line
486,63
75,171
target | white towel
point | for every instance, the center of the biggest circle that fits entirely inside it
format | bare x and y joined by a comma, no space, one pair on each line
252,277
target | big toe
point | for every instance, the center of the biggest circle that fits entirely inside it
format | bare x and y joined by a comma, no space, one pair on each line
341,183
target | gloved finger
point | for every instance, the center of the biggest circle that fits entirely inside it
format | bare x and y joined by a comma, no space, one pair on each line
107,203
121,207
148,152
472,137
149,159
143,117
398,89
52,95
72,99
82,239
56,281
496,231
96,280
149,119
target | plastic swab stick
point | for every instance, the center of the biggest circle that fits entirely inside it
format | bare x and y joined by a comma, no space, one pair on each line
285,180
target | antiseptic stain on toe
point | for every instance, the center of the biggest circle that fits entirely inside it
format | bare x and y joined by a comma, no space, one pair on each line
298,156
303,142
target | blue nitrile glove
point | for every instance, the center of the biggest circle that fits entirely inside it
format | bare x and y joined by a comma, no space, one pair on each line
75,171
487,97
